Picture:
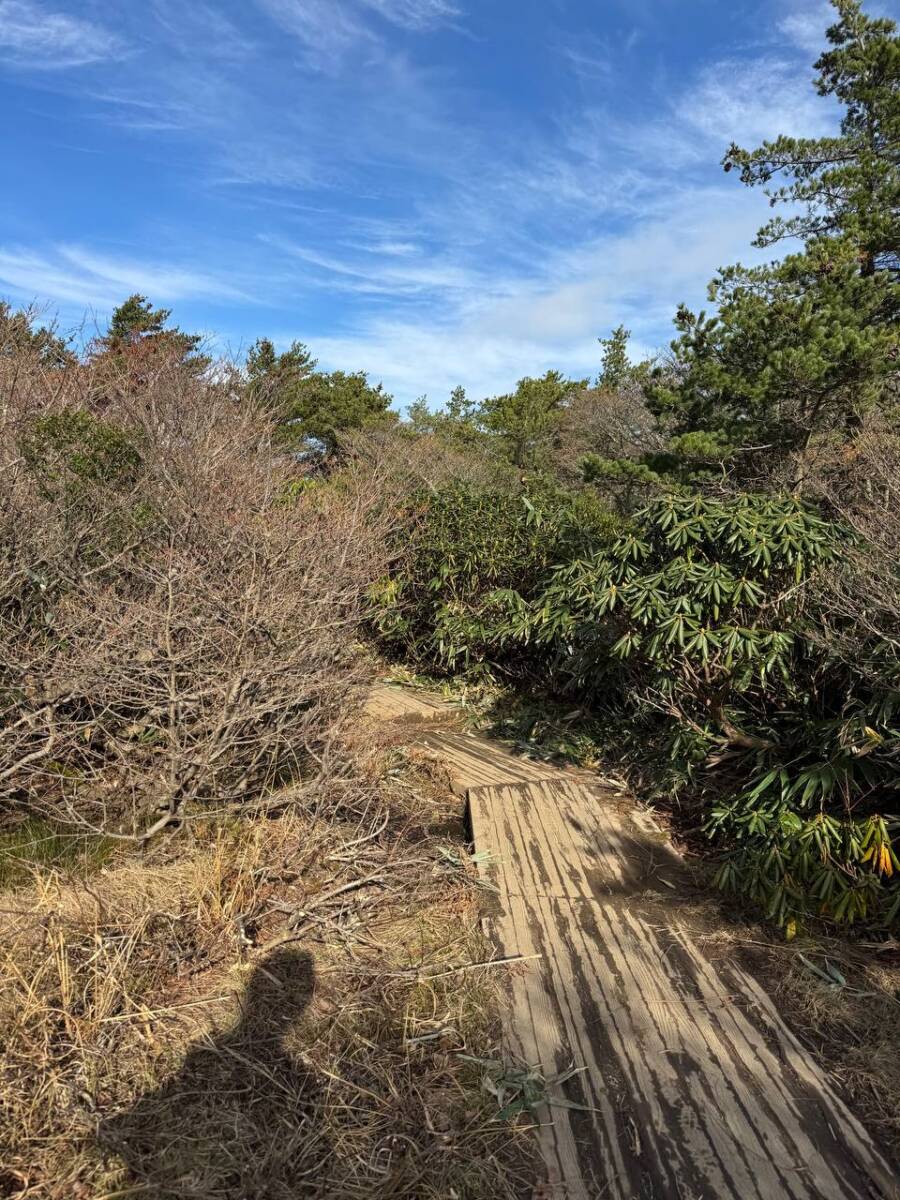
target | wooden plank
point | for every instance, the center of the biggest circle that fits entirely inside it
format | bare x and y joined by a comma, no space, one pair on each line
471,761
388,702
576,843
474,762
693,1086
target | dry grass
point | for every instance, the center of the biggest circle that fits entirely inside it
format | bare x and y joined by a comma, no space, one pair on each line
229,939
153,1046
854,1030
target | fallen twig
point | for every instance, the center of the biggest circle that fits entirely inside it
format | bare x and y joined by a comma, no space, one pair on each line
147,1014
510,960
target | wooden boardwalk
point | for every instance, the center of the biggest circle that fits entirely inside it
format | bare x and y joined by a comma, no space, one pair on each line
690,1085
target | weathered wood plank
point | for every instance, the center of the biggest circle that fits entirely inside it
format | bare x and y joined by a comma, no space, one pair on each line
386,702
473,762
575,843
694,1086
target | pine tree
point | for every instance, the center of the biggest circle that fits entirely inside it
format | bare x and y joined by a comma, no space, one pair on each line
801,349
526,420
615,363
849,185
420,420
312,407
328,404
137,334
459,407
21,334
276,378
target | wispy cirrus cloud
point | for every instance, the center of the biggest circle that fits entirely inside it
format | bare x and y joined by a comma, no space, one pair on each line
415,14
548,294
324,26
329,28
484,329
343,174
384,272
33,36
804,26
749,102
75,275
188,27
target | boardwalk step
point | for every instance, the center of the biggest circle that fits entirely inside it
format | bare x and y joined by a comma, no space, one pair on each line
690,1084
388,703
556,837
473,762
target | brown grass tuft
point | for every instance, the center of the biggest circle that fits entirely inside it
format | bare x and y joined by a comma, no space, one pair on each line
154,1046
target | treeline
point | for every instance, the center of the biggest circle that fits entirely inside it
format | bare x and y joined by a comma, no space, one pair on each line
178,615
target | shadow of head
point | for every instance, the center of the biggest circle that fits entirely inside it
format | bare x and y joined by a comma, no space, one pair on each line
277,993
239,1117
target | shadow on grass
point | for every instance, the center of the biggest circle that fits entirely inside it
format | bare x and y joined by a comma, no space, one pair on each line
240,1119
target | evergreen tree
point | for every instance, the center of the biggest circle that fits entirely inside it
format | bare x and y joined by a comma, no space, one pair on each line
615,364
460,408
849,185
20,334
137,333
457,424
312,406
276,378
526,420
328,404
419,417
802,348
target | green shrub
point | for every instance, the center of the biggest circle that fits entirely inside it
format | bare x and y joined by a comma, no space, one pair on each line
695,623
472,552
705,609
69,452
697,598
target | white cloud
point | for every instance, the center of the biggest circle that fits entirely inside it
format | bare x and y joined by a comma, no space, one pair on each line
524,277
385,276
751,102
415,14
75,276
502,255
190,26
325,27
491,333
592,58
400,249
805,27
33,36
329,28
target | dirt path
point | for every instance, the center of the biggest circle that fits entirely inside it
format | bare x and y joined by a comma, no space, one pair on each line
690,1086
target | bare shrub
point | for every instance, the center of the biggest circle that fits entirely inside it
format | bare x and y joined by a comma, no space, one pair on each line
178,602
404,463
612,423
862,595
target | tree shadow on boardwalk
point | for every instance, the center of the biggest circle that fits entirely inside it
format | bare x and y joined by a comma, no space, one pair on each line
240,1119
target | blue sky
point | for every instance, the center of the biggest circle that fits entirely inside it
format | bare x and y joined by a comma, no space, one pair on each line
438,191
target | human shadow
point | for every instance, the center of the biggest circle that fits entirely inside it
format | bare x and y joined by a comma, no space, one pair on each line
241,1118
